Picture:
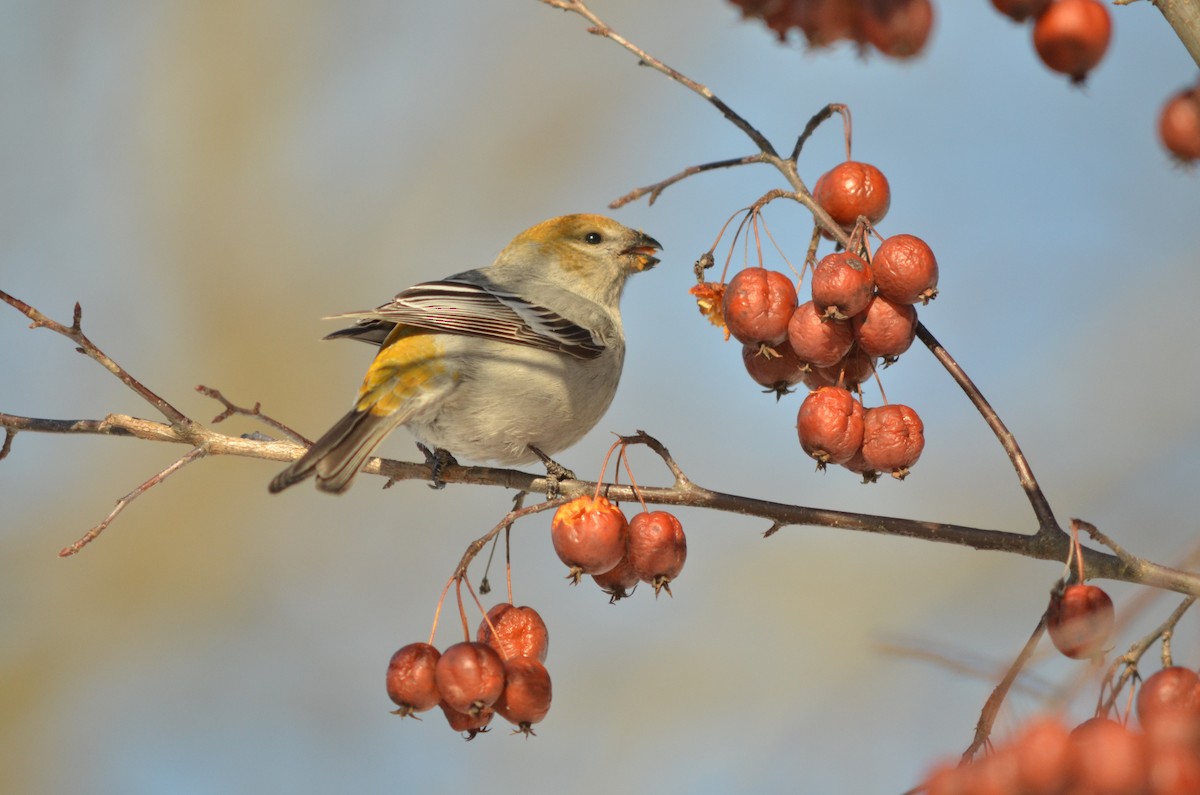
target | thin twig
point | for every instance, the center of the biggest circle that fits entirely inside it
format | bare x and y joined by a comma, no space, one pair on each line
74,332
1047,525
600,29
656,189
256,412
123,503
991,708
1128,661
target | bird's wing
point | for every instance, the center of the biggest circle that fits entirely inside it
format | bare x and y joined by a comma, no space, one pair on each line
459,306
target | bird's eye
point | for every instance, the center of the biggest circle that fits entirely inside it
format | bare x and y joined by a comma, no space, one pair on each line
593,237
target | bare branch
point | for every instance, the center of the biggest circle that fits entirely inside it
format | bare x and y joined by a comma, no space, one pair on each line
600,29
657,188
122,503
76,335
991,708
1047,524
256,412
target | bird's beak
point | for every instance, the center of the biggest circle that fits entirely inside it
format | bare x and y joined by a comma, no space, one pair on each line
644,249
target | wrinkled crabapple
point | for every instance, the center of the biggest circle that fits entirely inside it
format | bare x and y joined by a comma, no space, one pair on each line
520,632
470,676
411,681
657,548
588,534
757,305
830,425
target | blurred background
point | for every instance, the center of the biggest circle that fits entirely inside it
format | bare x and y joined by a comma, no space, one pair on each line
210,179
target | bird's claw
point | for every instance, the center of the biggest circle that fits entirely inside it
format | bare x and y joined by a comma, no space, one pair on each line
437,460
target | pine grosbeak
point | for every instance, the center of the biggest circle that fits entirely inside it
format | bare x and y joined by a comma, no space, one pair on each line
506,363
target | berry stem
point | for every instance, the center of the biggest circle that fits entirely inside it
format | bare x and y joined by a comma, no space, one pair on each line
462,612
438,612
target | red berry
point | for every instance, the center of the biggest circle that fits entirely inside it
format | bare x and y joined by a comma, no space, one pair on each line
854,368
1106,759
520,632
842,285
526,697
588,535
1020,10
777,368
885,328
851,189
618,582
657,548
410,679
467,723
1080,620
757,305
1179,125
893,438
1071,36
1174,689
830,425
470,676
820,341
1042,754
905,270
897,28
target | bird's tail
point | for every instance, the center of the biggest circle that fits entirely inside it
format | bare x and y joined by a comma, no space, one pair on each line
337,456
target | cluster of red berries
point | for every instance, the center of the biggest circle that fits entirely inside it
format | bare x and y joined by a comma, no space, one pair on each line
1070,36
896,28
1179,125
502,671
862,311
1100,756
592,536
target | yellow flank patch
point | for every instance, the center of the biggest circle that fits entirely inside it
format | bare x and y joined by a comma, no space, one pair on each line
408,360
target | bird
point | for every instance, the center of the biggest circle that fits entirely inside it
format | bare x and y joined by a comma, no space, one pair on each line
509,363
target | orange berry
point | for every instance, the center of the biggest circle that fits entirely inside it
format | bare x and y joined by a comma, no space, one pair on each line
851,189
1071,36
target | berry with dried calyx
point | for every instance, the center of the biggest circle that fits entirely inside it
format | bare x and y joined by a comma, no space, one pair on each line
905,270
466,723
526,697
830,425
842,285
520,632
778,369
820,341
657,548
411,682
1179,125
757,305
854,368
1080,620
893,438
885,328
588,534
851,189
470,676
1071,36
618,582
